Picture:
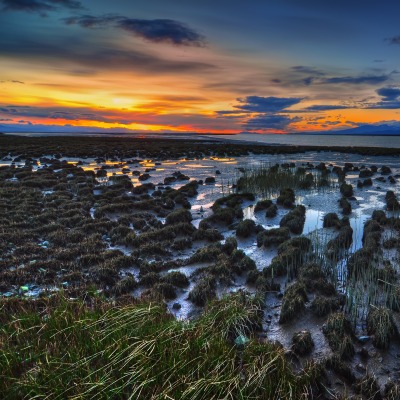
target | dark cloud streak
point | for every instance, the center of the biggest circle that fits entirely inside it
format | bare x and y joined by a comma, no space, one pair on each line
307,70
323,107
266,104
39,6
155,30
96,59
357,80
394,40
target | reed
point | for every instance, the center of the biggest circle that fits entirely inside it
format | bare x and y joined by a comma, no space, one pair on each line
266,180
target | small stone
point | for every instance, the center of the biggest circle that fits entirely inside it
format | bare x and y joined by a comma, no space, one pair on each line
176,306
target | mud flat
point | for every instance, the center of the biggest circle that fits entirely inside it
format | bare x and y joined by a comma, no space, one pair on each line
297,249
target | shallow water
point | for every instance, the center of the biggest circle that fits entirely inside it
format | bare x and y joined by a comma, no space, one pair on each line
317,203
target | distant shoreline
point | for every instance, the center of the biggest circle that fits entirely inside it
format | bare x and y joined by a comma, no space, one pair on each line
192,134
202,144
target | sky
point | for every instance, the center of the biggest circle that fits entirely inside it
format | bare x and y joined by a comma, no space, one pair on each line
260,66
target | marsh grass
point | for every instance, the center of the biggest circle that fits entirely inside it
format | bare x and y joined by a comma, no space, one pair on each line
266,180
364,278
64,349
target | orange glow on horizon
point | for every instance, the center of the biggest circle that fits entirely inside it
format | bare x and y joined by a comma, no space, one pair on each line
146,103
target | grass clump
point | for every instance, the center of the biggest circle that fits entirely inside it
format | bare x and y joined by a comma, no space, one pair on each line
271,211
209,234
366,173
206,254
291,255
262,205
222,215
322,305
392,204
178,216
230,245
286,198
295,219
176,278
341,242
203,291
302,342
165,289
293,302
273,237
380,323
339,333
345,206
125,285
346,189
246,228
331,220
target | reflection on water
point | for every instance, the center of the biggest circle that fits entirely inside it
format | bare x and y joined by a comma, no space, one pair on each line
357,224
314,221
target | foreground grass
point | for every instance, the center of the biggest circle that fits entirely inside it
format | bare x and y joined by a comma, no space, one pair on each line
59,348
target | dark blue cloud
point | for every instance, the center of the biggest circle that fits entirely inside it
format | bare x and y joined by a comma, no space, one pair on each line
155,30
269,122
386,105
315,75
258,104
389,93
390,99
90,21
357,80
394,40
308,81
39,6
265,113
229,112
323,107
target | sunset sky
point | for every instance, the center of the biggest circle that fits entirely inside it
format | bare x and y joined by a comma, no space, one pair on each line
210,66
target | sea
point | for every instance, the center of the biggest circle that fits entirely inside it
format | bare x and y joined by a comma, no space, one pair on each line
317,140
